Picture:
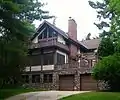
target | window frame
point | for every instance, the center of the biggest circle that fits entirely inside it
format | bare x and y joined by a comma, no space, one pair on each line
59,61
36,78
48,78
49,60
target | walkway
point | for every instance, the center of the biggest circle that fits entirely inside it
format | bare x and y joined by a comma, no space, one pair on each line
44,95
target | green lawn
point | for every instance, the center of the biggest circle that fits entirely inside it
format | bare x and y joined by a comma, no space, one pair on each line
5,93
94,96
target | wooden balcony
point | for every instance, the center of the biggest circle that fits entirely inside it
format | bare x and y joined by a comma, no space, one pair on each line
63,67
48,43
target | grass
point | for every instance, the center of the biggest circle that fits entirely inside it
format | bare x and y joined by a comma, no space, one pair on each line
94,96
5,93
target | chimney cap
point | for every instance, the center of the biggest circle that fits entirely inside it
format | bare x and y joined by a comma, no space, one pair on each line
70,17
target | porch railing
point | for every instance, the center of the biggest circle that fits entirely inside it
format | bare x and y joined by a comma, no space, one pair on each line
71,66
47,43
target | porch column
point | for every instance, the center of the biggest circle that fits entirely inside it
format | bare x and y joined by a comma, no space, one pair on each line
41,80
41,60
90,62
55,58
77,81
55,79
30,78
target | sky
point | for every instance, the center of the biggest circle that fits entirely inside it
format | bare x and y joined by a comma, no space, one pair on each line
79,10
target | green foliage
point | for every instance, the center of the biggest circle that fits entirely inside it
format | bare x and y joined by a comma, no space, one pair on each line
16,29
108,70
94,96
6,93
106,47
102,13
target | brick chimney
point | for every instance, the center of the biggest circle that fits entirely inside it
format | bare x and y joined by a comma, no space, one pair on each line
72,29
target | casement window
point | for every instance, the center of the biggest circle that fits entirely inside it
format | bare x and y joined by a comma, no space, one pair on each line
25,78
48,78
60,58
36,78
48,59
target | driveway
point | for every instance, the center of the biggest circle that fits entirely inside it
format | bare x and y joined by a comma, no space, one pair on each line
44,95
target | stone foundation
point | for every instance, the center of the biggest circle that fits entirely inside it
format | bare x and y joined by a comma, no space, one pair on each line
54,85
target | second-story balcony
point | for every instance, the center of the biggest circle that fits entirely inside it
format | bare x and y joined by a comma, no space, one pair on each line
71,66
62,67
48,42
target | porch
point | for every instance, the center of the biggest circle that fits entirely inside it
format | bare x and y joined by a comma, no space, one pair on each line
49,42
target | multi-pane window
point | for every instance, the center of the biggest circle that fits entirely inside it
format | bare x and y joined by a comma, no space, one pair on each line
50,34
47,33
36,78
48,78
60,58
48,59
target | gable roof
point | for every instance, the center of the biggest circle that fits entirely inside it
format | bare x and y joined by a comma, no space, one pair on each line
91,44
61,32
86,44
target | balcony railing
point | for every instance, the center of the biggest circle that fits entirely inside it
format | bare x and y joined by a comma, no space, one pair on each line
72,66
67,67
47,43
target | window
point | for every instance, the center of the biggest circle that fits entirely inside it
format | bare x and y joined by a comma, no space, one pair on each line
49,35
54,34
48,78
25,78
45,35
35,78
60,59
35,60
48,59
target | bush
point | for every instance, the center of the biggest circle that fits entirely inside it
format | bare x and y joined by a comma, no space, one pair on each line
108,70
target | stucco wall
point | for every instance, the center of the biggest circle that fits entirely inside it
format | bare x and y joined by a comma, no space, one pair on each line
35,40
61,39
38,68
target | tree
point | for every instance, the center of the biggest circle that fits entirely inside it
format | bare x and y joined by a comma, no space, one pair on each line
106,48
16,17
108,70
103,13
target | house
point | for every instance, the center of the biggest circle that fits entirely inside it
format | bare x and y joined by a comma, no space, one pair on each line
58,61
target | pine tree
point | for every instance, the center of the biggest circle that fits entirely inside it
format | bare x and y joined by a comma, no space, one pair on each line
16,17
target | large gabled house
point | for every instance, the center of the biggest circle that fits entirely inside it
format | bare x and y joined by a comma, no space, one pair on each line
58,61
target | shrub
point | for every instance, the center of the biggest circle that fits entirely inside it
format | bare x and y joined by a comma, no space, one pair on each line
108,70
